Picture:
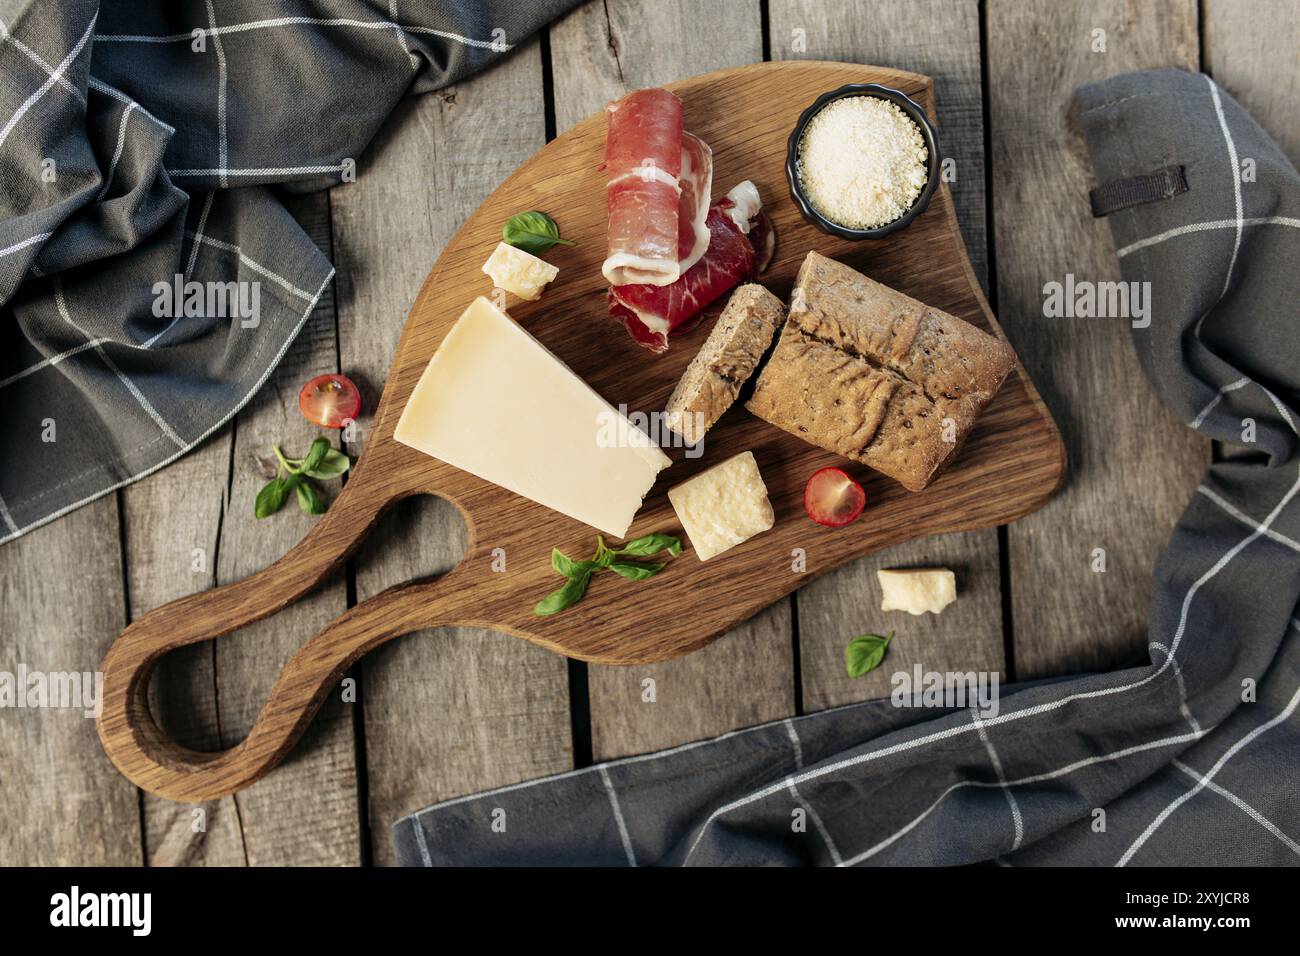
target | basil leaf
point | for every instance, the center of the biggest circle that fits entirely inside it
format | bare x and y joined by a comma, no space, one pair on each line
864,653
332,464
651,544
314,455
271,498
566,596
635,572
309,500
565,565
579,572
534,232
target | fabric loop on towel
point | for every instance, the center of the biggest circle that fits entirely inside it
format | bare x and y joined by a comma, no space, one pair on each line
1131,191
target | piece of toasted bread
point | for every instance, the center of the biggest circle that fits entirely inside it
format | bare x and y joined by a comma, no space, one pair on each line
724,362
876,376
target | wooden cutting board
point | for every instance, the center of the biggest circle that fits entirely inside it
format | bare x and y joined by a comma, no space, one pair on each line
1011,464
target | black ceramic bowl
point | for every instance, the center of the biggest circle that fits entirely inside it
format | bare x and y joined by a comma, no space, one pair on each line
913,111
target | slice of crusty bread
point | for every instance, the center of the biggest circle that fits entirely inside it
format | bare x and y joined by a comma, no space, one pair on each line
869,373
724,362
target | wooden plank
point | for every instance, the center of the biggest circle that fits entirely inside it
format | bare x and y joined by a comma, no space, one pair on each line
170,524
455,710
306,812
61,606
845,603
1133,466
1250,50
599,52
940,38
207,695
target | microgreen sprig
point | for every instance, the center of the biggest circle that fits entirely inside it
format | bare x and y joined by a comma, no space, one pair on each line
321,462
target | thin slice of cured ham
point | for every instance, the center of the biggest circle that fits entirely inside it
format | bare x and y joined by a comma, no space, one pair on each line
652,313
696,186
658,190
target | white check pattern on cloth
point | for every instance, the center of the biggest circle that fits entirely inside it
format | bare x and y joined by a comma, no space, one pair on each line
1202,782
15,532
44,88
101,87
1245,807
198,240
20,246
7,517
618,816
221,93
225,173
40,61
214,30
117,153
807,807
1177,231
1238,224
98,345
1183,708
1247,520
1235,176
1017,823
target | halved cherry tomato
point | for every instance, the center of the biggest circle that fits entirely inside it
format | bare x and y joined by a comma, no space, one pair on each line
832,498
330,401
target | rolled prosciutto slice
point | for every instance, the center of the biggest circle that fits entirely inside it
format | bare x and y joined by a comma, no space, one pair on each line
660,178
696,186
652,313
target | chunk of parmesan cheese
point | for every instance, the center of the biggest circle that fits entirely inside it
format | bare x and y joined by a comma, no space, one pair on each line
862,161
724,506
917,591
493,401
520,272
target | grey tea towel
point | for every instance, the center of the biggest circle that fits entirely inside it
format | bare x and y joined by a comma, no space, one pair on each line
1193,758
139,143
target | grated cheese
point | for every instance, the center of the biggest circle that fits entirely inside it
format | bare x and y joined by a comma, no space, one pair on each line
862,162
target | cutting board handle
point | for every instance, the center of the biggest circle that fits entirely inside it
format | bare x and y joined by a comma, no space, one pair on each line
142,751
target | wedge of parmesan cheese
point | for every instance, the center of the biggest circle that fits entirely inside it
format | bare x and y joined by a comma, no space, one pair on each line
724,506
917,591
519,272
493,401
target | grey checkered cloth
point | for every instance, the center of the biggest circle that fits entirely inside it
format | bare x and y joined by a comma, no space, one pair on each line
139,142
1191,759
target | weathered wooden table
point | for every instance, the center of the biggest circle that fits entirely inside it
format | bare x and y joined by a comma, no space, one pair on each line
456,711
